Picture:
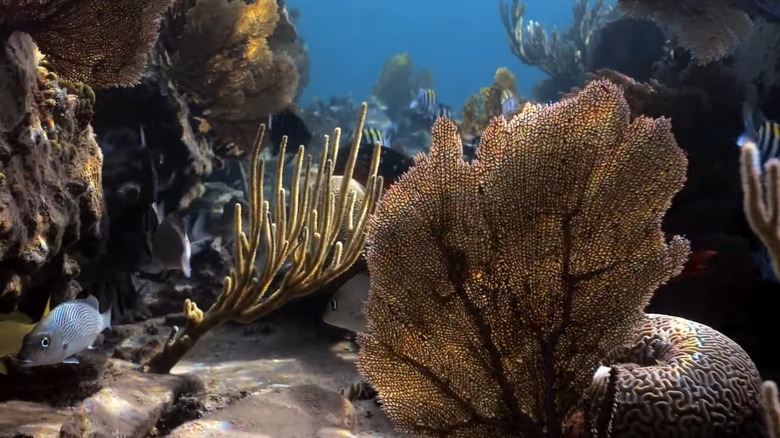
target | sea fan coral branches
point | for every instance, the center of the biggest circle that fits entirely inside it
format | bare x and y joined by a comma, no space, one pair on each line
497,286
223,60
102,43
710,29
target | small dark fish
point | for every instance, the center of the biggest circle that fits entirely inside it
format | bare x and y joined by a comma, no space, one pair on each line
765,133
392,164
470,143
288,123
345,309
67,330
696,265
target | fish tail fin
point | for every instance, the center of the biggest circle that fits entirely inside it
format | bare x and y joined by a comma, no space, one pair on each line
186,266
47,309
749,118
106,317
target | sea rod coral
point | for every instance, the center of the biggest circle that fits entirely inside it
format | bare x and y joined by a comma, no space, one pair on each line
523,272
320,232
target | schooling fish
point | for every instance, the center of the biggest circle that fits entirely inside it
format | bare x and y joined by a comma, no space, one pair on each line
374,135
765,133
424,102
425,105
286,122
345,309
14,327
70,328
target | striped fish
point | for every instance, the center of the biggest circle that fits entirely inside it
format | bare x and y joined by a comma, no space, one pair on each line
67,330
373,135
765,133
424,102
508,102
443,111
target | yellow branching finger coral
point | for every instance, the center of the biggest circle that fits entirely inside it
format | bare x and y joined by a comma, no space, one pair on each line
102,43
223,60
319,231
497,286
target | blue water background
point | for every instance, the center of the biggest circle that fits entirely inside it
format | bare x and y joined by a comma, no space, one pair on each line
462,41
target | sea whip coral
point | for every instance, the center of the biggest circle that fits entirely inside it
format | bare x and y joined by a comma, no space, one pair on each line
497,287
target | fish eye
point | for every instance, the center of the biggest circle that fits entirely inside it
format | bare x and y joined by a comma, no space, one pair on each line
334,304
45,343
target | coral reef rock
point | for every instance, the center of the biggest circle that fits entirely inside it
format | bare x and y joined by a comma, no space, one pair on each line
50,167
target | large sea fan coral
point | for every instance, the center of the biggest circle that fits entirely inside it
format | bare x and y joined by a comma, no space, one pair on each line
710,29
223,60
102,43
497,286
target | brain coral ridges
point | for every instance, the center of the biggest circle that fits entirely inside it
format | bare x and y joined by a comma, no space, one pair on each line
498,286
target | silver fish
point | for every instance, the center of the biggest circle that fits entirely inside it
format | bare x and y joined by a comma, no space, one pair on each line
67,330
345,309
171,245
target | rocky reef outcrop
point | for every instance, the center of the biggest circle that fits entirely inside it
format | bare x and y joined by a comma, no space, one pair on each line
50,175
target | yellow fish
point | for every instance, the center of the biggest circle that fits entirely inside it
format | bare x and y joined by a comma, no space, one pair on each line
14,327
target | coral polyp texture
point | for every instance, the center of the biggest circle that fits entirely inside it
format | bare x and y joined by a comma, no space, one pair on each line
498,286
102,43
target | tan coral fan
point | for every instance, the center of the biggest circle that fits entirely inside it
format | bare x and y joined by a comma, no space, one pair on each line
710,29
496,287
100,42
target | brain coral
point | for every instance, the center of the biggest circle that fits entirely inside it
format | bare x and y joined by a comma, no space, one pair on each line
679,378
497,286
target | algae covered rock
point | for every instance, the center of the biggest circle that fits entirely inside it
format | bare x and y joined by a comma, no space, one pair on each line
50,168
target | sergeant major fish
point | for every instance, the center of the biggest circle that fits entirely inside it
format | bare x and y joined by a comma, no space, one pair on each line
508,102
67,330
345,309
424,103
765,133
373,135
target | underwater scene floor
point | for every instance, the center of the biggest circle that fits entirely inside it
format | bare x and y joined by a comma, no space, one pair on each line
278,379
